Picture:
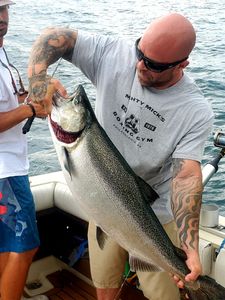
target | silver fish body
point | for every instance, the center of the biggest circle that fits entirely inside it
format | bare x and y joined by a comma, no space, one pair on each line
113,195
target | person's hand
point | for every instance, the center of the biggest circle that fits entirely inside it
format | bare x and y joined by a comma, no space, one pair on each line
40,110
42,89
194,265
53,87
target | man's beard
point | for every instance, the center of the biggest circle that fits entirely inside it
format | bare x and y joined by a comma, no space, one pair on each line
3,30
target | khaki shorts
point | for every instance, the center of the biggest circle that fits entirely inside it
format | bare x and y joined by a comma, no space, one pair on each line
107,267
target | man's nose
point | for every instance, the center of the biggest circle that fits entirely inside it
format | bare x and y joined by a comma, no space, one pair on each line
141,65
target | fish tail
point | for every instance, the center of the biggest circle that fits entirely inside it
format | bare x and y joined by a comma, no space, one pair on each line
209,290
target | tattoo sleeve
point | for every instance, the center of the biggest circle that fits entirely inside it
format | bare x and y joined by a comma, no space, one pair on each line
51,45
186,202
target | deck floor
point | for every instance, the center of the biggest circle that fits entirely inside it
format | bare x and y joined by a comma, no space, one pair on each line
69,287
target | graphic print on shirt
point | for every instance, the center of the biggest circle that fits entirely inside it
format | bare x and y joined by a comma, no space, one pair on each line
130,120
9,206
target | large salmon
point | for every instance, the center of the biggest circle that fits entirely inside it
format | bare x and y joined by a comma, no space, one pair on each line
114,196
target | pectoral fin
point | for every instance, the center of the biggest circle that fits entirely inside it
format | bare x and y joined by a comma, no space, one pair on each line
66,160
101,237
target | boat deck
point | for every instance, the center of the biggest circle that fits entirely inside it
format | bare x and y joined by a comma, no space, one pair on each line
68,286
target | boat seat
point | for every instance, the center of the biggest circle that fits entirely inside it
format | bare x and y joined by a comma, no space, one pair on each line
49,192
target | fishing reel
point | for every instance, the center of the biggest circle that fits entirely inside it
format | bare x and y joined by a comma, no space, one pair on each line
212,166
219,139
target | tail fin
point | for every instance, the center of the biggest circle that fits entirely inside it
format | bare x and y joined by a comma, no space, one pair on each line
209,290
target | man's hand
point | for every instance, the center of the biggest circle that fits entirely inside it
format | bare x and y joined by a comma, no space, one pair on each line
41,92
194,265
54,86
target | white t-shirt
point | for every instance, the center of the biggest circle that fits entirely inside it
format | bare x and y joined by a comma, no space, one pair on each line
13,145
149,127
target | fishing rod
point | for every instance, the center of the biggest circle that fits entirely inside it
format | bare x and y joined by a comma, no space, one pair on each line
27,125
212,166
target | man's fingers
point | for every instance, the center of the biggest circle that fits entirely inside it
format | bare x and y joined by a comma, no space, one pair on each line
59,87
178,282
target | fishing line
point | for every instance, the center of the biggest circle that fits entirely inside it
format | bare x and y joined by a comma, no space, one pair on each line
122,285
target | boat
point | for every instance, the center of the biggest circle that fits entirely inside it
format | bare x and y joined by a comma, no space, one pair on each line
61,268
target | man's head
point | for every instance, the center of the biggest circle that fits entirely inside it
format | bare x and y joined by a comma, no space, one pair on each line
4,18
163,50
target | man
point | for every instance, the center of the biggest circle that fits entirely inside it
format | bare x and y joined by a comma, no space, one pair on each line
19,238
157,118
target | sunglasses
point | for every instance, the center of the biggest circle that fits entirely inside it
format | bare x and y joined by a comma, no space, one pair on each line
21,91
151,64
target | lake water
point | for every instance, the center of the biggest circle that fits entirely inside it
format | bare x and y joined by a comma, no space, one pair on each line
129,19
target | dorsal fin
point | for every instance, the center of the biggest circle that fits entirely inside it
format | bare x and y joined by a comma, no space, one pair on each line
147,190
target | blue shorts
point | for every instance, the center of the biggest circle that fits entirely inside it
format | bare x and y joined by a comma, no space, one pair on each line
18,228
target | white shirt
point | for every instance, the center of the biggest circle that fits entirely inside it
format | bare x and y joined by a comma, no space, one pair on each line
13,144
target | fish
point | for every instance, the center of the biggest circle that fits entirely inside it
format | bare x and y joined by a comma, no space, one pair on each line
113,196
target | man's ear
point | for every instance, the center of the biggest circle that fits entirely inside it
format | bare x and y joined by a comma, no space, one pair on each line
184,64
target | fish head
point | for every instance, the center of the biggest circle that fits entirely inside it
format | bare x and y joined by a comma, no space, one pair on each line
70,116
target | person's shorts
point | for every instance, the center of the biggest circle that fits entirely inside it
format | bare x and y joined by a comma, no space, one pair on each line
18,228
108,265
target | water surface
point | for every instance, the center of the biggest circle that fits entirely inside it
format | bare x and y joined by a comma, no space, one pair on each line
127,19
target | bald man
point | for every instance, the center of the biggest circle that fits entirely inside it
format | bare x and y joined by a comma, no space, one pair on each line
157,118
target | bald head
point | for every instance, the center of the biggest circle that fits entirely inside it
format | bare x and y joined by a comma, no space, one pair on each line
169,38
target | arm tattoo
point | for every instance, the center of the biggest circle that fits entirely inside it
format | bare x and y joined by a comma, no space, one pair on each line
50,46
186,203
38,85
177,166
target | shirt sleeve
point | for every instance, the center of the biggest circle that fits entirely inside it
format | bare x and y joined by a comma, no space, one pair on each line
191,145
88,53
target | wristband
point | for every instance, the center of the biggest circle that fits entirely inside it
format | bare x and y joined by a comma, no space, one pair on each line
32,108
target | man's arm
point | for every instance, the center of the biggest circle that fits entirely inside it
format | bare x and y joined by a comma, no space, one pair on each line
51,45
13,117
187,191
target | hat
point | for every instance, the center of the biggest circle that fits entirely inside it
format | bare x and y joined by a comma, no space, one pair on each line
6,2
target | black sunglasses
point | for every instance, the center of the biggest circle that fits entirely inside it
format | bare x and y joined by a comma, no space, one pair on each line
151,64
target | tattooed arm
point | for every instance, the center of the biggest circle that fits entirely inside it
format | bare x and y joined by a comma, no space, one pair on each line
51,45
187,191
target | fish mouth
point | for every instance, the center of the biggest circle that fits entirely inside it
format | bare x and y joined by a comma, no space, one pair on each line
64,136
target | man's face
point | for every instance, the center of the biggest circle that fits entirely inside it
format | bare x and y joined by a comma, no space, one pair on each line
4,19
157,65
151,79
